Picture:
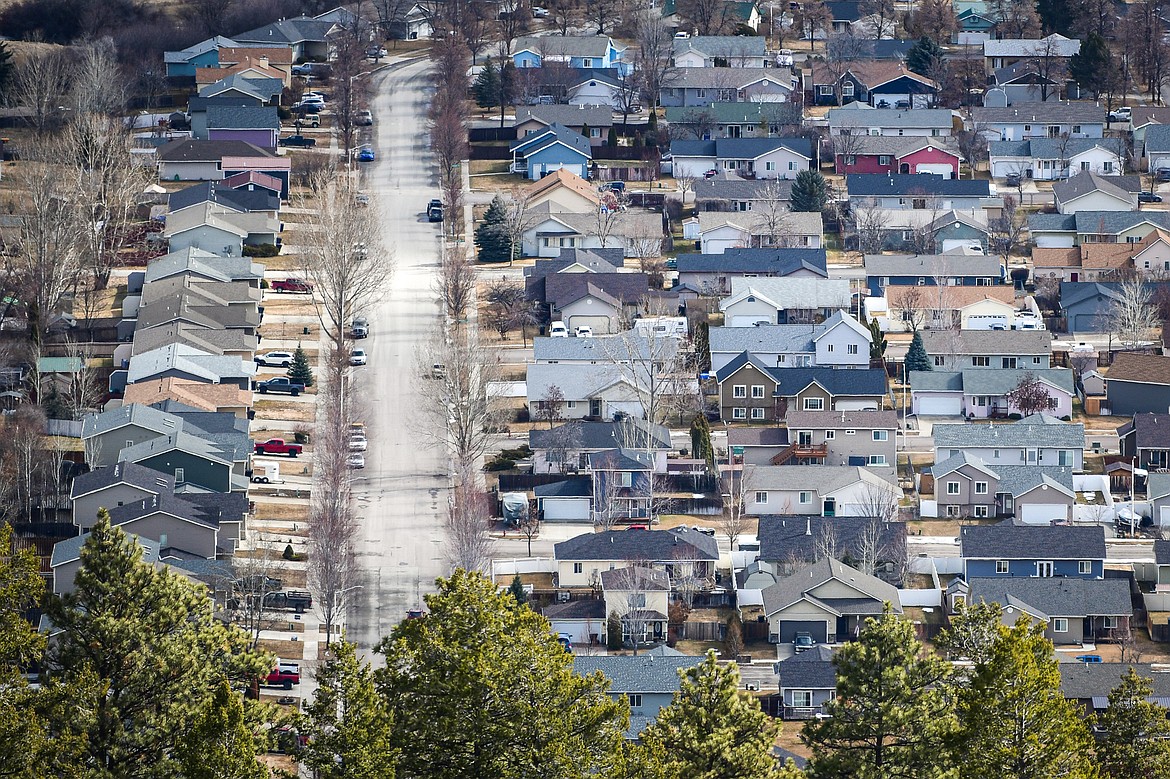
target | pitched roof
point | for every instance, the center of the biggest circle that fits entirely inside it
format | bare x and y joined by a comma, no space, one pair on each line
1000,382
206,397
1121,187
873,591
728,186
1056,258
164,502
811,669
720,46
1143,115
956,297
564,46
933,118
239,200
1054,596
1036,430
242,117
987,342
577,381
1148,430
1053,148
823,479
741,148
70,549
757,436
764,339
252,177
581,487
787,292
581,435
597,260
878,184
635,545
777,262
567,115
756,222
579,608
1107,255
896,146
835,420
1008,541
562,178
722,112
195,49
1018,480
872,73
1054,45
627,224
1139,368
208,367
191,150
726,78
635,577
263,89
864,382
561,289
1085,681
184,442
626,348
1040,113
644,673
963,265
298,30
146,479
276,55
789,537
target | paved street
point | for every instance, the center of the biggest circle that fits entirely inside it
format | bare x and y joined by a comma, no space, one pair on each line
401,495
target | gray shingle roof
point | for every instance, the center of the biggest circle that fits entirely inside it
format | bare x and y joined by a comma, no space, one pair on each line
1086,181
932,264
1083,681
569,488
1040,113
297,30
1052,222
878,184
642,674
732,187
1055,596
790,381
198,262
1157,138
987,342
1149,431
934,118
1052,148
1113,222
600,435
626,347
165,503
561,289
635,578
834,420
564,46
652,545
788,292
823,479
787,537
139,476
70,550
792,588
1007,541
725,78
775,262
238,117
581,608
208,367
1000,382
567,115
1018,480
936,381
182,441
133,414
242,200
809,670
263,88
192,150
764,338
1022,433
550,135
721,45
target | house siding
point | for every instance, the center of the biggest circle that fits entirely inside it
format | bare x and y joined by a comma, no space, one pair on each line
748,376
840,338
187,536
554,157
85,508
265,139
1128,398
841,446
106,446
208,238
1027,568
966,499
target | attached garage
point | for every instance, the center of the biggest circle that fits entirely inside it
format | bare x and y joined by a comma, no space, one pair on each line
750,321
1090,323
599,324
819,630
564,501
939,169
583,620
1042,513
855,404
938,405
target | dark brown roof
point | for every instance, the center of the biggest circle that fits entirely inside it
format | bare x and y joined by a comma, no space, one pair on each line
208,151
1141,368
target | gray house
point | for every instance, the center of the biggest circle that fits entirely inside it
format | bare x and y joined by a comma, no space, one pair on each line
196,463
699,87
808,681
1076,611
1035,440
956,350
828,600
965,486
104,435
712,273
187,362
566,447
65,561
200,264
728,191
1137,383
1147,437
847,437
839,342
178,526
115,485
648,681
788,541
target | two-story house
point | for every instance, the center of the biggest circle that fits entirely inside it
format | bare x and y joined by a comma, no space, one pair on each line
1052,159
807,681
640,597
958,269
590,51
965,486
839,342
1039,120
719,51
956,350
728,191
924,191
750,390
1147,437
115,485
679,551
566,448
784,300
822,490
1035,440
741,119
594,122
894,154
765,158
880,83
623,486
713,272
846,437
859,119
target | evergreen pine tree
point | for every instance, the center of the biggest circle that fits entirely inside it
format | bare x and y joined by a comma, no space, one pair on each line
893,713
1093,66
299,370
701,439
1134,732
973,629
491,236
877,342
7,69
487,86
652,121
701,340
916,357
219,743
711,730
517,590
809,192
924,56
613,632
1014,718
585,129
611,139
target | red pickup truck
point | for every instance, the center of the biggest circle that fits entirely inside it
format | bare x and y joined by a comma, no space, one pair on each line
284,675
278,446
292,285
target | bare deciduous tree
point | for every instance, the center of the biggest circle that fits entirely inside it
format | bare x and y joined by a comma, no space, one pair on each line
551,407
1132,316
633,584
40,86
738,484
455,284
469,545
869,223
827,545
655,57
1030,395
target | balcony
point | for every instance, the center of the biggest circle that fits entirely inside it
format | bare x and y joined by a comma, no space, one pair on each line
801,451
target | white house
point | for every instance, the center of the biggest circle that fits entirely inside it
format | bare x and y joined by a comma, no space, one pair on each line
1089,191
594,88
1049,159
719,51
1040,120
839,342
638,233
764,158
718,231
598,391
784,300
859,118
824,490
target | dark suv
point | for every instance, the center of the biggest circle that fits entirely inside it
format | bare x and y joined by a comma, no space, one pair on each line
435,210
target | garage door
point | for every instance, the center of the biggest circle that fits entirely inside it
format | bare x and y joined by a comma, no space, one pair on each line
600,324
938,168
1042,513
566,509
579,629
1088,323
855,405
1164,516
789,629
749,321
939,405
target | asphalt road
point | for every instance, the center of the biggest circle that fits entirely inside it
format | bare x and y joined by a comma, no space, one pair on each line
401,494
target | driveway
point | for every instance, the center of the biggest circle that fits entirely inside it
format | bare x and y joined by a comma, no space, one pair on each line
401,495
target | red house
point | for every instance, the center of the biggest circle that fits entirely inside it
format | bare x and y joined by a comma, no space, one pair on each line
894,154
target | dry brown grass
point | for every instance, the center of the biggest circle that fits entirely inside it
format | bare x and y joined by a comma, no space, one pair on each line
285,650
284,511
284,411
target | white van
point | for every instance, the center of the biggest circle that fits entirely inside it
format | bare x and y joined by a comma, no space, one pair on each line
558,330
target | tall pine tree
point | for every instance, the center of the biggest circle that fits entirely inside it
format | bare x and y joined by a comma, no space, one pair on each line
1135,734
1093,67
491,237
892,715
924,57
809,191
487,85
299,370
916,357
220,743
701,439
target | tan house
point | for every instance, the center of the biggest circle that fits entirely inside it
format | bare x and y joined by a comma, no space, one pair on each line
563,192
751,391
1104,261
640,597
205,397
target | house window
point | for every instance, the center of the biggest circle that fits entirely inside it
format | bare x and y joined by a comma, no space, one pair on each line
825,89
802,699
571,404
792,166
1044,569
700,93
851,349
758,413
739,391
739,413
881,435
1084,566
1009,362
594,132
179,477
624,479
850,159
981,362
980,512
939,360
1001,566
921,281
1109,623
877,459
883,159
761,497
578,567
1027,128
769,165
1084,166
952,488
980,488
954,511
1060,625
847,89
635,700
830,435
830,347
804,498
587,62
757,390
850,432
814,404
1107,166
1076,129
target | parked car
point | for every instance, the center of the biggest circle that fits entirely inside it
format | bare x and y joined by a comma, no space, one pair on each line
435,210
1122,114
277,446
311,102
1088,658
362,199
313,120
558,330
539,13
1163,174
358,443
584,331
365,154
803,641
299,141
1149,197
302,70
297,600
363,118
710,174
1012,179
356,460
360,327
291,285
281,384
376,52
279,359
285,675
357,357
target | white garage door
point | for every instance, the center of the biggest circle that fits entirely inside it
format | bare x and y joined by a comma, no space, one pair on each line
1042,513
1164,516
566,509
855,405
749,320
938,168
930,405
600,324
577,628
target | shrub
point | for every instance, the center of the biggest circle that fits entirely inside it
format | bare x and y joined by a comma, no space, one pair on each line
301,436
1066,418
261,250
1015,417
264,284
283,114
613,632
522,415
499,464
289,554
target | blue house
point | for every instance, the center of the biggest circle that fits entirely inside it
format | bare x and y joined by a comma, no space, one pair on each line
591,51
1007,550
551,149
621,483
205,54
926,270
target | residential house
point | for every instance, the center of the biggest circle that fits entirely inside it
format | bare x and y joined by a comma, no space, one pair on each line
648,681
566,448
1088,191
976,23
1087,305
65,561
956,350
253,181
828,600
104,435
918,191
193,160
220,229
242,201
983,394
641,599
785,300
765,158
570,261
1142,118
591,122
562,192
628,348
230,304
569,500
957,230
756,445
189,363
592,51
264,90
257,125
1023,82
1074,611
1063,231
1089,684
594,391
602,301
307,37
550,149
839,342
635,233
1156,148
1147,437
178,526
1005,52
277,57
1050,159
842,437
808,680
728,191
700,87
822,490
719,51
788,542
965,486
750,389
205,54
1138,383
1042,120
967,308
255,69
880,83
1006,549
234,341
195,462
956,269
895,154
592,87
679,551
227,398
112,486
417,23
860,119
718,231
712,272
742,119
